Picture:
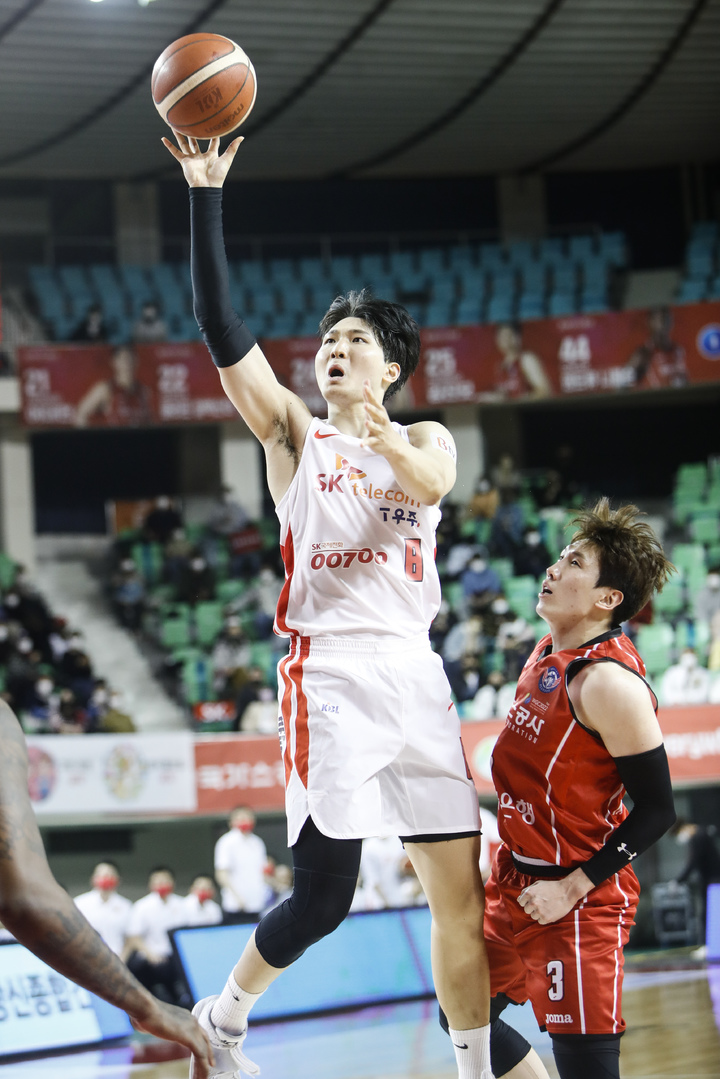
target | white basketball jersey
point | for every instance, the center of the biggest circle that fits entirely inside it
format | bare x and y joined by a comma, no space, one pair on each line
359,553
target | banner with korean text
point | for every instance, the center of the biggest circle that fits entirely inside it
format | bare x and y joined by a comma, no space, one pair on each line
210,774
614,352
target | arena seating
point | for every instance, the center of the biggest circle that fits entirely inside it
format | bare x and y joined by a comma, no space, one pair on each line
185,634
281,297
701,274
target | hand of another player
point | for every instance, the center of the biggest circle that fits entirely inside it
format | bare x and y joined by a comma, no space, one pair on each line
202,168
547,901
380,437
177,1025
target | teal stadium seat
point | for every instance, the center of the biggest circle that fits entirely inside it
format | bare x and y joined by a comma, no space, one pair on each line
671,600
655,643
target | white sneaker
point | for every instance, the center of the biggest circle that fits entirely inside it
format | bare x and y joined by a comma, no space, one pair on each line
230,1060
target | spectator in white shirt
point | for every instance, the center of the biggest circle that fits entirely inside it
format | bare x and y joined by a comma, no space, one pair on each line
107,912
686,682
241,864
200,905
150,954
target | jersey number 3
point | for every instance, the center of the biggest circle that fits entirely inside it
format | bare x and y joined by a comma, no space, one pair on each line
556,974
413,560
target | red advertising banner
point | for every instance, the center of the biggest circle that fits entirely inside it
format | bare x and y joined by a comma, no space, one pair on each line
238,769
244,769
128,386
615,352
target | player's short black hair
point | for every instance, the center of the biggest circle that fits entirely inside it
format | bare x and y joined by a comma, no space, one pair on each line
630,555
392,325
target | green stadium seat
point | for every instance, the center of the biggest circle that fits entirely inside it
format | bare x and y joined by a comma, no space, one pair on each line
503,567
691,476
705,529
453,593
689,557
209,620
672,598
522,595
655,644
230,589
148,557
8,570
196,678
175,632
693,634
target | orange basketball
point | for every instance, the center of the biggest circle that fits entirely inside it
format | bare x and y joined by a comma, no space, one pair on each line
203,85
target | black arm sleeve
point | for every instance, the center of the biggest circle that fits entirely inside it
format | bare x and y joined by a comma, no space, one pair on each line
646,777
226,335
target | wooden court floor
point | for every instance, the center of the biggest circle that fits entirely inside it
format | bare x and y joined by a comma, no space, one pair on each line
673,1018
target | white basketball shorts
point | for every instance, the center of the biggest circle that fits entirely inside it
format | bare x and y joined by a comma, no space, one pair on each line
371,740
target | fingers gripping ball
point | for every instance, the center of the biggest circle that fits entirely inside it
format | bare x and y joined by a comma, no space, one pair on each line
203,85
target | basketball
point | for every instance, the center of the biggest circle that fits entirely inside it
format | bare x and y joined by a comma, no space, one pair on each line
203,85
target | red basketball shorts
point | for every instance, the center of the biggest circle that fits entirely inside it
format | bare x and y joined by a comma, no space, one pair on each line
570,970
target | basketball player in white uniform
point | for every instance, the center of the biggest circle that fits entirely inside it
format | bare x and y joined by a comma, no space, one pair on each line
370,737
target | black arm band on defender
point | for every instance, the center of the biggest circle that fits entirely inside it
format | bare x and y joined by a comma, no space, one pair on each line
646,777
226,335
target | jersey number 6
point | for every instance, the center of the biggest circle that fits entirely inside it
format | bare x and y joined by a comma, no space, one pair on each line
413,560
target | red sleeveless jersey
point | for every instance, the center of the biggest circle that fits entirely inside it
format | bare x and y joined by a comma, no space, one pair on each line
559,790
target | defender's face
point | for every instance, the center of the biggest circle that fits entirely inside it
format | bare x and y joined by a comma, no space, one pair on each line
569,591
350,354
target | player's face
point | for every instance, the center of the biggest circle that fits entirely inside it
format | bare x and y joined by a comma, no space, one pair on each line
348,355
569,592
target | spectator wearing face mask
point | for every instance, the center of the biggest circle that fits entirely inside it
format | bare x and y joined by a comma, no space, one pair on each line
686,682
161,521
128,594
150,955
230,658
196,582
465,677
106,910
41,714
75,670
240,863
23,671
200,905
532,558
6,644
479,580
115,720
707,601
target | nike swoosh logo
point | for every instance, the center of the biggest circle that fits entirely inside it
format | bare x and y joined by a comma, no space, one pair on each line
459,1046
331,435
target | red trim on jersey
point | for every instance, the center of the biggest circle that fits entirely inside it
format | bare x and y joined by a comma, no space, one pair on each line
302,731
287,550
286,712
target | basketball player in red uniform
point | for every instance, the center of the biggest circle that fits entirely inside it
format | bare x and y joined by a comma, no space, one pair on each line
660,361
42,916
581,732
370,736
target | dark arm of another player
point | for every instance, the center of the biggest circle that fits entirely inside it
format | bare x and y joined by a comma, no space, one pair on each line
43,917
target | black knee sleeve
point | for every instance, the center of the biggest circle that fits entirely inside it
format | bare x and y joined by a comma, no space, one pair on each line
507,1046
592,1056
325,875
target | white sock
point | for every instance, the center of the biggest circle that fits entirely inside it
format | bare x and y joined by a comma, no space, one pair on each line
472,1052
231,1009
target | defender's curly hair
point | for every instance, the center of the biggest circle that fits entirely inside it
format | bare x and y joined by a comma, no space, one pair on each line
394,328
630,555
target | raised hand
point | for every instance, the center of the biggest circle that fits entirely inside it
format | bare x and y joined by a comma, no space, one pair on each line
202,168
380,435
